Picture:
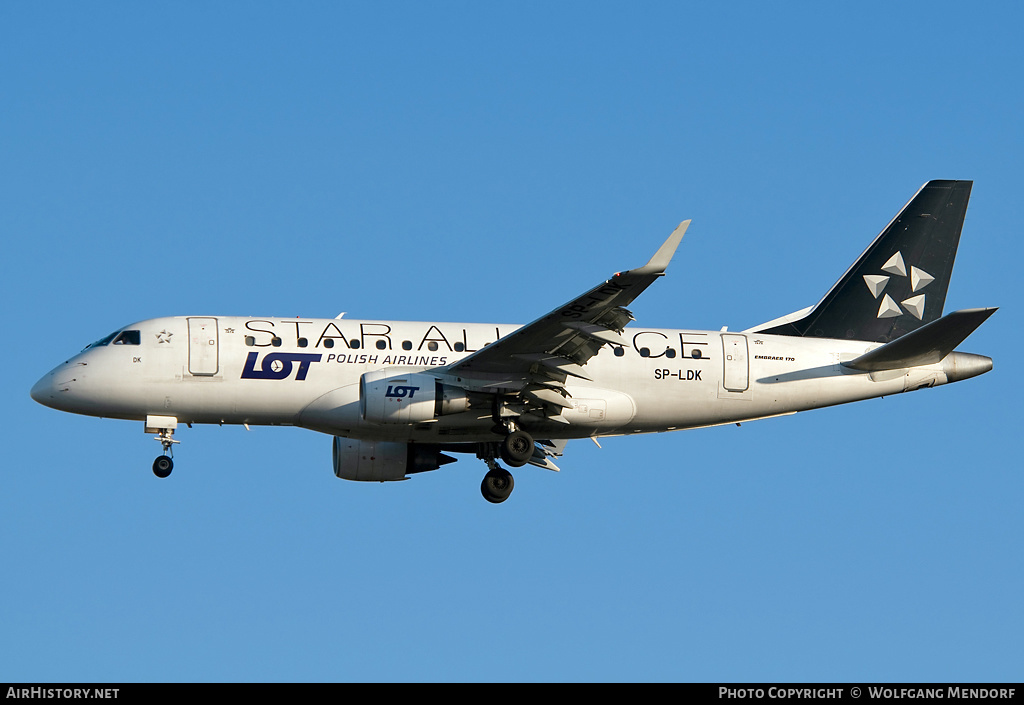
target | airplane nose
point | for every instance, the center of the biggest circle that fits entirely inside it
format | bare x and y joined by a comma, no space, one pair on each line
42,391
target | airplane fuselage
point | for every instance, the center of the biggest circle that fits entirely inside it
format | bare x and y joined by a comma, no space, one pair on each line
306,372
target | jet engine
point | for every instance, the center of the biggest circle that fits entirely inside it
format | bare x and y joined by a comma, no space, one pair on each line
384,461
389,398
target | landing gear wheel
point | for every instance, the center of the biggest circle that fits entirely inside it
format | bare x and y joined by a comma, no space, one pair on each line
497,485
164,427
517,448
162,466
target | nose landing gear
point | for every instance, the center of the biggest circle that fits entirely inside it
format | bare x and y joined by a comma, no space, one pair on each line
162,466
163,427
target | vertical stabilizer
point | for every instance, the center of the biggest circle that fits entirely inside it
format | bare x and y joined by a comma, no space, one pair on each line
899,284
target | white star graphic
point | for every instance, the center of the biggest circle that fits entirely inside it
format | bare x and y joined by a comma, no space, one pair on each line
896,267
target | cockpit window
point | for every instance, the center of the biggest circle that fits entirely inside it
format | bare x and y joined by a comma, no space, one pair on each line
128,337
102,341
119,337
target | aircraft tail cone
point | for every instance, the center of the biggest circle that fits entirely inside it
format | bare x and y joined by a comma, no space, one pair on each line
958,366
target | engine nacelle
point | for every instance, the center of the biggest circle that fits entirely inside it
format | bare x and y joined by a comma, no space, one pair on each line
389,398
383,461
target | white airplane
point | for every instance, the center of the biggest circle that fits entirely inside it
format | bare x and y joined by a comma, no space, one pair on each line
399,396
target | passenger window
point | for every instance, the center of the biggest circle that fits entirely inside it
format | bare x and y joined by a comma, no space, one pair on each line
128,337
250,340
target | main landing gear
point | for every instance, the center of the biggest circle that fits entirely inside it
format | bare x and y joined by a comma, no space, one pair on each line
516,450
497,484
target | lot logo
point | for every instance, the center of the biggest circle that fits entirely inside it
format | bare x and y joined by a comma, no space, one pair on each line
278,365
400,391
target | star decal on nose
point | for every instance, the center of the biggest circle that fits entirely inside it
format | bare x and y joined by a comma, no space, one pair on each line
164,336
896,267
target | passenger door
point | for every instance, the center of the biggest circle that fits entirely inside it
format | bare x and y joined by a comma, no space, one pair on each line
203,356
734,349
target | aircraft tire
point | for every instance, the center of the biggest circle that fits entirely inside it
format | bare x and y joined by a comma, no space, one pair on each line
517,448
497,486
162,466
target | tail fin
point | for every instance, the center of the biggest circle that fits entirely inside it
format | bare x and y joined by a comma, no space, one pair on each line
899,284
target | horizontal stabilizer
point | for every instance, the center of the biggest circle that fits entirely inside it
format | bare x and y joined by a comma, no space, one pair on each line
926,345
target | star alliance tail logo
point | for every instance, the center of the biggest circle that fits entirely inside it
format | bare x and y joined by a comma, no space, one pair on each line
895,267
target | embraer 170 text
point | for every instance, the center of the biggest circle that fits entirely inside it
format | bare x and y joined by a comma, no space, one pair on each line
399,396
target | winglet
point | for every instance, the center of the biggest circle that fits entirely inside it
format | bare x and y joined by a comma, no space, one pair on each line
659,263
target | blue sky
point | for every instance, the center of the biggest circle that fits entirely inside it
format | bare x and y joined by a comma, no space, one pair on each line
487,162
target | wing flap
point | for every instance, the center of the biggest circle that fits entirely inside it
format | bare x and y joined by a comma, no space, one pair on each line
554,363
545,451
597,332
547,395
